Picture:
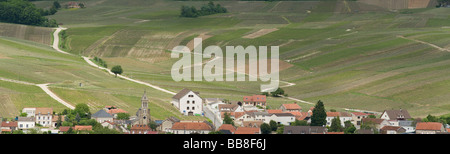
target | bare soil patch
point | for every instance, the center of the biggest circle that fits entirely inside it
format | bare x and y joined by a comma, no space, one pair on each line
260,33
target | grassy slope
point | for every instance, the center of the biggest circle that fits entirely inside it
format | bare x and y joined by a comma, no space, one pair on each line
40,64
352,60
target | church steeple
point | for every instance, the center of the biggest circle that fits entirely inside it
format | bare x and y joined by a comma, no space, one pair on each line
144,113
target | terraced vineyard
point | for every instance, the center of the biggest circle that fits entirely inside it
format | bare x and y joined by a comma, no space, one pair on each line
349,54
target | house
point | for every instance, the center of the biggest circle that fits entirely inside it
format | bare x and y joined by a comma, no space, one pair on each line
213,102
30,111
291,107
64,129
167,124
230,108
43,116
429,128
282,118
301,116
9,126
256,124
255,100
191,127
108,124
115,111
140,129
25,123
408,125
357,117
392,130
304,130
377,123
188,102
228,127
395,115
55,120
247,130
343,117
101,116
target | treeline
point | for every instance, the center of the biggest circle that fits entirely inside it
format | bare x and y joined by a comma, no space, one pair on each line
24,12
208,9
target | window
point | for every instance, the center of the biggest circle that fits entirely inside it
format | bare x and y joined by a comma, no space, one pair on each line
193,108
187,102
193,102
188,108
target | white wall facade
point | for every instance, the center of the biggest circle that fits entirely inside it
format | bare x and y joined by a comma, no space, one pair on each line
190,102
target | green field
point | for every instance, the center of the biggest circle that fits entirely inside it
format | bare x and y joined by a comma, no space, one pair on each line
346,53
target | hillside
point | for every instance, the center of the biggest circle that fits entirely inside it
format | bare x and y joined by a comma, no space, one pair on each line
349,54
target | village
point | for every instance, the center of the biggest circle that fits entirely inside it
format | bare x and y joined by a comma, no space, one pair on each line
246,116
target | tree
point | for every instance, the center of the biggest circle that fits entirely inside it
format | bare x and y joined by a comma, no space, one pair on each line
78,118
81,5
336,125
215,132
59,121
319,115
83,110
117,70
273,125
280,130
265,128
123,116
299,123
56,4
349,128
277,93
227,119
23,114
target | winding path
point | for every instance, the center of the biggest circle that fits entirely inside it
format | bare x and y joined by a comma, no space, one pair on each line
43,87
56,47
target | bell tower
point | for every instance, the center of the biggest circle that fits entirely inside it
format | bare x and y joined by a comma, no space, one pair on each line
144,112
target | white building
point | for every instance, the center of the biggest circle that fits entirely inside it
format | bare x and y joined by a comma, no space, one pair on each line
25,123
188,102
282,118
43,116
343,117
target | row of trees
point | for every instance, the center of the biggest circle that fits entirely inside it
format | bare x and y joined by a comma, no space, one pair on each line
208,9
24,12
100,62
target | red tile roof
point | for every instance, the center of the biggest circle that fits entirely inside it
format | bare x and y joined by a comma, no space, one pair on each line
428,126
44,110
340,114
360,113
79,127
9,124
255,98
140,127
247,130
191,126
64,128
115,111
292,106
232,114
391,128
227,127
274,111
